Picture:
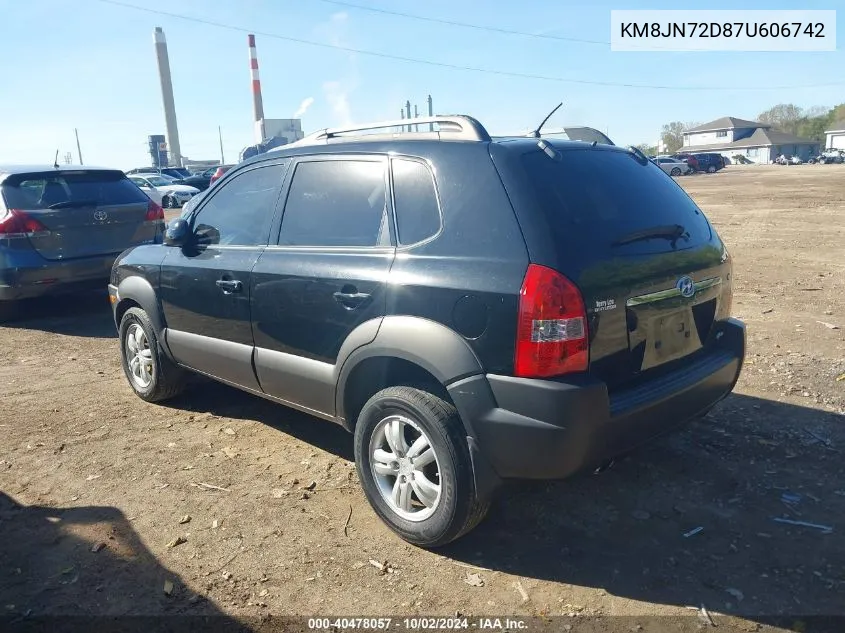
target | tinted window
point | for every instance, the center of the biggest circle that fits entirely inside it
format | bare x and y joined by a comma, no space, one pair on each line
336,203
241,210
417,213
42,190
593,198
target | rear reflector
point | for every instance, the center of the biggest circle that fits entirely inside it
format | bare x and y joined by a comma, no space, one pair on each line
552,327
154,212
16,223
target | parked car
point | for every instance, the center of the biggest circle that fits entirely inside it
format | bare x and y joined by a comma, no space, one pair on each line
61,228
710,163
171,194
218,173
689,159
589,312
672,166
173,172
200,181
831,156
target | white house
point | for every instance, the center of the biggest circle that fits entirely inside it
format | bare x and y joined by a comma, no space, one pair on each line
756,141
835,136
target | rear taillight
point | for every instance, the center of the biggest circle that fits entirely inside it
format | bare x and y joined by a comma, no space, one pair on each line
16,223
154,212
552,327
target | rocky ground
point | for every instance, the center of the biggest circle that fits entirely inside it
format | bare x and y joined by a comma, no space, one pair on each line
219,503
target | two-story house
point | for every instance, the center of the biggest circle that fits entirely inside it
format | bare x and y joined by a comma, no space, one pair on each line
835,136
759,142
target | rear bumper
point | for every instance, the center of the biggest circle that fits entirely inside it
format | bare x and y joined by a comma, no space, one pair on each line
45,277
549,429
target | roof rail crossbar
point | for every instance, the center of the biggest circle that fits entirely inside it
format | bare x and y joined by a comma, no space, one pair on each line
457,127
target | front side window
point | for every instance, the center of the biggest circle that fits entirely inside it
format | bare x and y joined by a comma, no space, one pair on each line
241,210
336,203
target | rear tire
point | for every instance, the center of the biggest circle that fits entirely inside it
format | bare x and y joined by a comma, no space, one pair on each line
711,169
152,376
426,508
170,202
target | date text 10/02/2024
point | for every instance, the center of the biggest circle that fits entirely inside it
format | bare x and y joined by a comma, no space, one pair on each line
417,624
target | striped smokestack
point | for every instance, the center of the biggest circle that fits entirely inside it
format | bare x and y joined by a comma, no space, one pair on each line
257,103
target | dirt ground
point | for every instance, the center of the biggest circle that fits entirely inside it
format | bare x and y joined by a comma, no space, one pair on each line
96,485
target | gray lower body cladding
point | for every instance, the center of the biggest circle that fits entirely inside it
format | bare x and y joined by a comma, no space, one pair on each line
550,429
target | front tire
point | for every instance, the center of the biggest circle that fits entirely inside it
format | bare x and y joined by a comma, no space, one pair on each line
152,376
675,172
413,461
711,169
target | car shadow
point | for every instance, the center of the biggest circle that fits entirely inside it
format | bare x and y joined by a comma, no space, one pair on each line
85,314
85,568
218,399
633,530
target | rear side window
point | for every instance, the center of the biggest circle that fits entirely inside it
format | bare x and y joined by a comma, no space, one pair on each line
40,191
241,210
594,199
415,200
336,203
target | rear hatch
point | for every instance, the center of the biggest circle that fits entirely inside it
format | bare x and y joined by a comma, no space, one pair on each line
85,212
653,274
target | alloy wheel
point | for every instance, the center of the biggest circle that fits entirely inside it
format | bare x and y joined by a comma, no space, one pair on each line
405,468
139,357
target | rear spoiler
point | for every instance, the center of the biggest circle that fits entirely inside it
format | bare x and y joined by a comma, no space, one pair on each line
586,134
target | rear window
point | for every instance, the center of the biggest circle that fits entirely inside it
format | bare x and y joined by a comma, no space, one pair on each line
42,190
594,198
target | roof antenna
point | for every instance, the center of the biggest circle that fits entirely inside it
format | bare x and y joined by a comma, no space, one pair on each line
536,133
56,162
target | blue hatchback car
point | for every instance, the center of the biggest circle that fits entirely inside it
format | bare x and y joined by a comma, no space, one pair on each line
61,228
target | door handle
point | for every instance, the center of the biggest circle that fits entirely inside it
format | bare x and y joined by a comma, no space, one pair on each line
351,300
228,286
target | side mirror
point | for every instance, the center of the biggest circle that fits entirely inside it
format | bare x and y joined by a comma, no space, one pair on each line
177,232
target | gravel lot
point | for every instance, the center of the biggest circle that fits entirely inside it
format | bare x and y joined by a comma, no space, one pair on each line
85,466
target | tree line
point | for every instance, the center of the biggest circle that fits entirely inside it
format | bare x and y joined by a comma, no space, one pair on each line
807,123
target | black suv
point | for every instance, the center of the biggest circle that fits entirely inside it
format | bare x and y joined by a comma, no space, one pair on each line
710,163
471,308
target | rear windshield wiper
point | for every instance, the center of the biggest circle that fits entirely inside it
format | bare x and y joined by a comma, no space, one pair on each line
67,204
672,232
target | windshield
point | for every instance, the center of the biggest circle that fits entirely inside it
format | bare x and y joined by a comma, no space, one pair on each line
159,181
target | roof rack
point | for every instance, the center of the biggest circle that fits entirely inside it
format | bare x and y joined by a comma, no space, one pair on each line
452,127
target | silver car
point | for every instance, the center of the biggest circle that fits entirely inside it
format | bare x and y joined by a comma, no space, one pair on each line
62,227
672,166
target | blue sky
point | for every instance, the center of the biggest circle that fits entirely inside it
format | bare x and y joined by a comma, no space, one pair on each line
91,65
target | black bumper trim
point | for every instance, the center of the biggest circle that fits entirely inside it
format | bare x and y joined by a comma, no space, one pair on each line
549,429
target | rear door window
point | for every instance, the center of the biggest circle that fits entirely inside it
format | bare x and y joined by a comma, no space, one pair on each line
40,191
415,201
594,199
338,202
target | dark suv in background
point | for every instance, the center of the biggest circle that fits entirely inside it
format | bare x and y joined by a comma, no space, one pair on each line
472,308
709,163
